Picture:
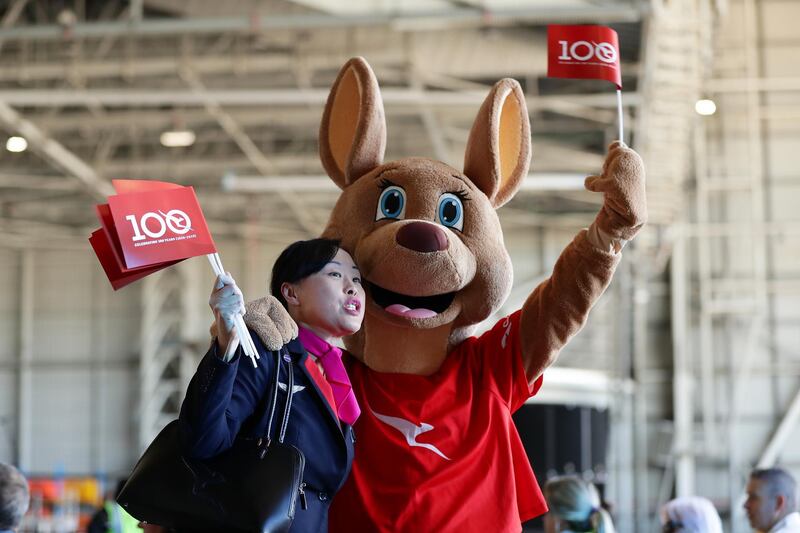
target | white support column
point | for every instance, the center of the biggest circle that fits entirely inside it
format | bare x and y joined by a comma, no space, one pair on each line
161,347
682,381
25,377
174,335
640,295
196,318
707,353
741,371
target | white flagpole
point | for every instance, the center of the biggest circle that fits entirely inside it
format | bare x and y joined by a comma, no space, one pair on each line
619,115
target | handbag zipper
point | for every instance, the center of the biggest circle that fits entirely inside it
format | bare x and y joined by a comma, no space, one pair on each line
303,501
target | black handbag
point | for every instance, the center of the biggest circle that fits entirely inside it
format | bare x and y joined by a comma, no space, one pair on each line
251,487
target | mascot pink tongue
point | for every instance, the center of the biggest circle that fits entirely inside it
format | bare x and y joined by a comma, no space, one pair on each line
437,448
402,310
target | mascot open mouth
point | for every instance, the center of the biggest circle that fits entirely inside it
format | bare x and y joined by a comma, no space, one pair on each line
410,306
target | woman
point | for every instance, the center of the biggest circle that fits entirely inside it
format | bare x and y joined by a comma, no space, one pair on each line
320,286
691,514
575,507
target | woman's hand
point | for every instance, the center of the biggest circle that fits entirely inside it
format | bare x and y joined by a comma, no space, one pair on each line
226,302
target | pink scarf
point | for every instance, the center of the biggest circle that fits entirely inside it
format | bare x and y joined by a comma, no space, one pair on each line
330,357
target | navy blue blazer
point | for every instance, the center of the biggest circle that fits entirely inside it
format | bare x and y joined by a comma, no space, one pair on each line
221,404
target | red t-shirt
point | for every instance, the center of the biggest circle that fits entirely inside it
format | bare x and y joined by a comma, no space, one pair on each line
441,453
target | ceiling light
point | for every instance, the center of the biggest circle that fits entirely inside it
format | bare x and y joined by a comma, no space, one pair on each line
705,107
16,144
177,138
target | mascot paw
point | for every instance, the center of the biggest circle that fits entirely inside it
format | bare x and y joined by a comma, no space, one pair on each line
270,320
624,210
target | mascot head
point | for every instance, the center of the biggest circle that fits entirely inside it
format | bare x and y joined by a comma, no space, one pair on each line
424,234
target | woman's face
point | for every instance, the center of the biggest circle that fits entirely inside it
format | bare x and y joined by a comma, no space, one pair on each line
330,302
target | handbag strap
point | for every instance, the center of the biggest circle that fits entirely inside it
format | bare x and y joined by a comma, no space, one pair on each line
282,355
274,393
289,395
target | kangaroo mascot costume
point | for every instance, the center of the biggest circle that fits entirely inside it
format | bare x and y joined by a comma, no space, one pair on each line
437,449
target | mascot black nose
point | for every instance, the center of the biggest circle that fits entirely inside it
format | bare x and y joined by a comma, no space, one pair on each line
422,237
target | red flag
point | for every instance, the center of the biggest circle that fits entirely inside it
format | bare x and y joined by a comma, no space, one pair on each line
103,212
118,276
160,225
110,235
590,52
148,226
129,186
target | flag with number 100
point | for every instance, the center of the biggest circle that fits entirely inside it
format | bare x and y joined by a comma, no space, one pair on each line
148,226
588,52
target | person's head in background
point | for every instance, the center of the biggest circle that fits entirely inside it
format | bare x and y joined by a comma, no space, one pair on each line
771,496
14,497
691,514
575,507
320,285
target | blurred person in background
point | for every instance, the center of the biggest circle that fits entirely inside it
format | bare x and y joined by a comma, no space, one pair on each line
14,498
575,507
771,503
691,514
112,518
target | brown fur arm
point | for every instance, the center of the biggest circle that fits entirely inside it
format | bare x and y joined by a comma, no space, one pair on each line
558,308
270,320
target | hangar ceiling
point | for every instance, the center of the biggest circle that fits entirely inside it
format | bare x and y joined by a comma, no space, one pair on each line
93,85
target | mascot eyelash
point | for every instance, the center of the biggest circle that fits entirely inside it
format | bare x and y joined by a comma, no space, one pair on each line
462,194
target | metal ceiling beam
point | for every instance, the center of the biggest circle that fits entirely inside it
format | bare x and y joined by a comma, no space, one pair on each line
208,62
11,16
181,167
280,97
322,183
742,85
37,182
253,153
539,181
305,120
55,153
399,22
155,66
227,123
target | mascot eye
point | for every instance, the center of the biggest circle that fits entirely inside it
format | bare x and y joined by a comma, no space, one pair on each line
392,203
450,212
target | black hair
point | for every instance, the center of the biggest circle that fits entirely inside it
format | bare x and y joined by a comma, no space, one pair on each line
300,260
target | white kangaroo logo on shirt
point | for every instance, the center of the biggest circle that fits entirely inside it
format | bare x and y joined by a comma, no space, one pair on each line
507,325
410,431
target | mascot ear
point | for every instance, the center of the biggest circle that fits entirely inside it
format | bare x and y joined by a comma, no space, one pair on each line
352,136
499,148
